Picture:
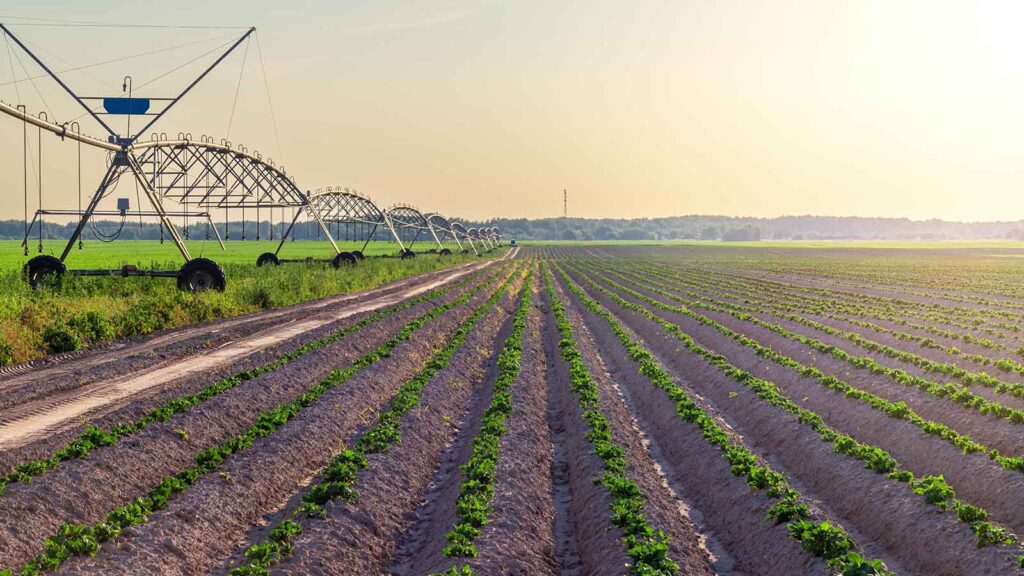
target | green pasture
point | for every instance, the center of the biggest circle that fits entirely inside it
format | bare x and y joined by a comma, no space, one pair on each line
153,254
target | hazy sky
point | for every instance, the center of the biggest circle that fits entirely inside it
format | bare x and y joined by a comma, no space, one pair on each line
641,108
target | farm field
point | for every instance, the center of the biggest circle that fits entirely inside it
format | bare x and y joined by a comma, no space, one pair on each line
87,311
562,409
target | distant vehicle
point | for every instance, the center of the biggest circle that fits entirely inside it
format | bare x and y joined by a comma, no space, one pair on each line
512,243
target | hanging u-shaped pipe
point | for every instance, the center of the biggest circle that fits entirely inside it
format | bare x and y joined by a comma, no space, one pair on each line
78,130
39,177
24,153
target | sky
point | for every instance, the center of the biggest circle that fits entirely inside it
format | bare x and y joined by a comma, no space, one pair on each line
482,109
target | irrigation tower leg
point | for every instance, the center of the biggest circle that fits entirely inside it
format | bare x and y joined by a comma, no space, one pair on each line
394,233
288,231
113,173
209,222
28,231
368,238
434,234
326,230
154,199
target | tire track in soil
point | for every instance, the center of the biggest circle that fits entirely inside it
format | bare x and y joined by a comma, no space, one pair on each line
911,537
84,491
400,489
138,406
519,537
207,522
664,508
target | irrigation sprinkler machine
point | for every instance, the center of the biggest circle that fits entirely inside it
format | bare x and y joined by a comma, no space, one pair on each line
205,177
203,174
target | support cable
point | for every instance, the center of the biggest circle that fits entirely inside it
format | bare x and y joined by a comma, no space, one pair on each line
77,68
39,181
176,68
270,103
24,163
79,188
238,87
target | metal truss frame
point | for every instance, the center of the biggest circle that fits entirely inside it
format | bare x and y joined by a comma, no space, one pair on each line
338,205
406,217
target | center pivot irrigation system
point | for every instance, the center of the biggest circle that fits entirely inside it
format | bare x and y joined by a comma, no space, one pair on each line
206,175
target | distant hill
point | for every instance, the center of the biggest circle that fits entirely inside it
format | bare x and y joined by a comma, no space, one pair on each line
671,228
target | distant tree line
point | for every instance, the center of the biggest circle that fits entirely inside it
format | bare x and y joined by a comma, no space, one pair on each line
693,227
698,227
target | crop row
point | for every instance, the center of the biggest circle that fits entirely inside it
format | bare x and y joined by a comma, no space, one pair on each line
835,309
912,276
958,394
818,537
943,284
899,306
338,479
899,410
94,437
892,310
81,539
647,548
934,488
477,489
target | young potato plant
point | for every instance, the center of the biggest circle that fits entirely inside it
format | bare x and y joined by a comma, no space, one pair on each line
339,477
955,393
873,457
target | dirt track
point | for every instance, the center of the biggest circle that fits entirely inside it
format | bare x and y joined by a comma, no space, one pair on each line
95,393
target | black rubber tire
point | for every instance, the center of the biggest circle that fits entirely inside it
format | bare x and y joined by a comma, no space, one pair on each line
267,258
465,251
407,253
42,270
445,252
358,254
344,258
201,274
